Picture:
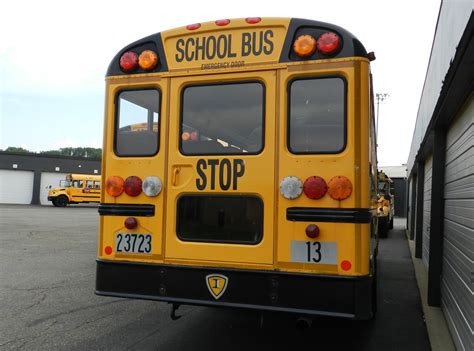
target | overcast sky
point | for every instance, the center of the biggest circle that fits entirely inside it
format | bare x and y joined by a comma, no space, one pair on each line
54,55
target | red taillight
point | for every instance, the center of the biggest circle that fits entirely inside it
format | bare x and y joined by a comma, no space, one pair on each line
315,187
129,62
193,26
253,20
328,43
312,231
114,186
130,223
133,186
108,250
222,22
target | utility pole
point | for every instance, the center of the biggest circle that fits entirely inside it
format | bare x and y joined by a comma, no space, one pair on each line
380,97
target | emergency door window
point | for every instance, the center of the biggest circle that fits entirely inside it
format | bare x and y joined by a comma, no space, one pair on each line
137,123
220,219
316,118
222,119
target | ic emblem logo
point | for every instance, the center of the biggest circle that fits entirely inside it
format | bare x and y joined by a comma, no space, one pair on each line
216,283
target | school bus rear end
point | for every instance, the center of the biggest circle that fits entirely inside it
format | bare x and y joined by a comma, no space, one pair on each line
252,185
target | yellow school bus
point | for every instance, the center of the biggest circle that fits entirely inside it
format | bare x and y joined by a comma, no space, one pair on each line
251,182
75,189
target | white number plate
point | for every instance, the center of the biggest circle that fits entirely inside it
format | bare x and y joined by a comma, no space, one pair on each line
133,243
314,252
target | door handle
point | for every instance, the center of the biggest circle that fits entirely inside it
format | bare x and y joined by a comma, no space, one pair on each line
176,171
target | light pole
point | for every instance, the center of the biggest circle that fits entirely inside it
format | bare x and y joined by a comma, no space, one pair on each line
380,97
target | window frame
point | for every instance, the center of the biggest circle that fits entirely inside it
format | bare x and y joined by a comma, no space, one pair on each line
235,82
288,115
117,115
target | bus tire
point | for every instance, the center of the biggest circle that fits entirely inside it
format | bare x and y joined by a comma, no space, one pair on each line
54,202
62,201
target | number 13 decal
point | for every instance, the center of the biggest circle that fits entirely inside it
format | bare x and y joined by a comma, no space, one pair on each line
314,251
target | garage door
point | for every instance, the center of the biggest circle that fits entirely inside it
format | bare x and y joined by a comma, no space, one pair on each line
458,249
48,179
427,210
16,187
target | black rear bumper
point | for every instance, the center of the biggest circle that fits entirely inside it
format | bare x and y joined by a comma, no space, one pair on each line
338,296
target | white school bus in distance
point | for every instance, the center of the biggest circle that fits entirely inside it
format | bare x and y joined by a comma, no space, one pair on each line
251,182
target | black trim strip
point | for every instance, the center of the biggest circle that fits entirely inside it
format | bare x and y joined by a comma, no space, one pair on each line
339,215
145,210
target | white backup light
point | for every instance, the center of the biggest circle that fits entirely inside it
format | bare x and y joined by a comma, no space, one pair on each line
291,187
152,186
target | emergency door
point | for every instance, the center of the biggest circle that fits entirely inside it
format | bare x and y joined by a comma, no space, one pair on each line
221,174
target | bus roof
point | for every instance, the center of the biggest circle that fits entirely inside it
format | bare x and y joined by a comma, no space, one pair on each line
234,44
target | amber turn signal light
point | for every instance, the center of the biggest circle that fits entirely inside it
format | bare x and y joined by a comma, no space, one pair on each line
339,188
148,60
114,186
304,45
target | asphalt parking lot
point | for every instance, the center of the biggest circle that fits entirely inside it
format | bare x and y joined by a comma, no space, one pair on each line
47,281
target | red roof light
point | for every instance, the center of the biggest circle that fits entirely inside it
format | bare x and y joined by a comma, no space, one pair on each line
328,43
129,62
223,22
253,20
193,26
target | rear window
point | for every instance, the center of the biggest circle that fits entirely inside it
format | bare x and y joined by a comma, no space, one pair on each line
317,115
222,119
220,219
137,123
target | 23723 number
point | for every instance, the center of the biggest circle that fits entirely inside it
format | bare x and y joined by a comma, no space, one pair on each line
133,243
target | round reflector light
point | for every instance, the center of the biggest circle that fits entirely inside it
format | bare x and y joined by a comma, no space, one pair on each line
193,26
304,45
133,186
312,231
315,187
108,250
253,20
328,43
129,62
291,187
346,265
148,60
339,188
131,223
223,22
114,186
152,186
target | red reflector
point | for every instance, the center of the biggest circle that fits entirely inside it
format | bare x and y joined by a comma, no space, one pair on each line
131,223
253,20
108,250
223,22
129,62
193,26
315,187
133,186
312,231
346,265
328,43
